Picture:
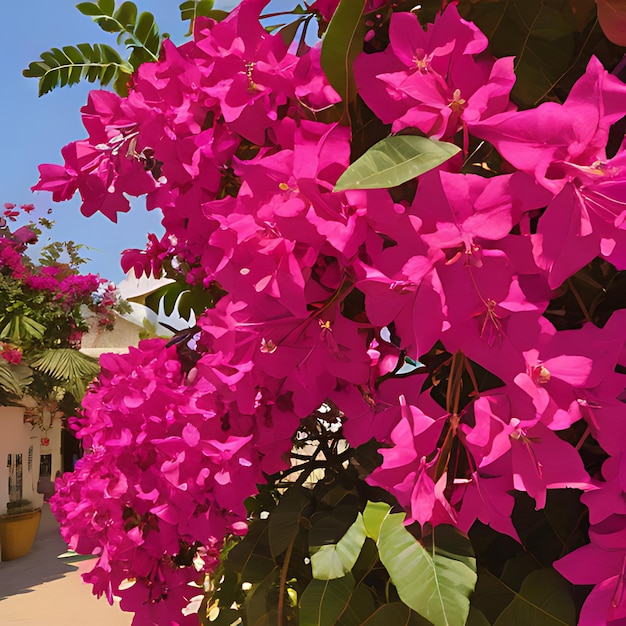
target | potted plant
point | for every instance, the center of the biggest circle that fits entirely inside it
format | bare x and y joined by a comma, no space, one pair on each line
45,308
18,528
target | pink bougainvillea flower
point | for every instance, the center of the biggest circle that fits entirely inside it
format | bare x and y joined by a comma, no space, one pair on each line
588,215
590,565
543,140
487,498
603,561
90,169
564,147
404,471
434,80
458,211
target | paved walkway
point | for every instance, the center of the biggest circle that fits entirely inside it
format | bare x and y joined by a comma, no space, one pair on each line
40,589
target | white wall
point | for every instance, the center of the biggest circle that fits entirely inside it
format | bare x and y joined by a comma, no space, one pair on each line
16,438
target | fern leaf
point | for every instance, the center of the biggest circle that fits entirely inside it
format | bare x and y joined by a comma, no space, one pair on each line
135,31
69,65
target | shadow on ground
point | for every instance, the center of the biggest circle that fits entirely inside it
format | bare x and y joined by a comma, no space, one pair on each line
41,565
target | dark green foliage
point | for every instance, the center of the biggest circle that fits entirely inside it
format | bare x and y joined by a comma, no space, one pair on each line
185,299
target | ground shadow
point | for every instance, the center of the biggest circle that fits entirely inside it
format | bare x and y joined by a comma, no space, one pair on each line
41,565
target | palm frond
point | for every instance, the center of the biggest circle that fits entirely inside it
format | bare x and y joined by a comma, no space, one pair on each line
71,368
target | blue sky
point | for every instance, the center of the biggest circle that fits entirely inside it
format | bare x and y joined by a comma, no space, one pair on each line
34,130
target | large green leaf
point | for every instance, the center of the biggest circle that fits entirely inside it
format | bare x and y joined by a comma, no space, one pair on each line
323,601
491,596
250,557
395,160
257,605
436,582
335,560
342,43
289,31
328,527
476,618
359,608
543,600
373,516
537,33
284,521
182,298
395,614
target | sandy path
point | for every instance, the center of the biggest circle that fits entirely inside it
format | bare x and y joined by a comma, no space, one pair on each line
40,589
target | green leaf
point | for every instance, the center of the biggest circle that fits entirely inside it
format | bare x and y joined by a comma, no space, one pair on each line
126,15
250,557
537,34
191,9
144,27
543,600
437,582
168,295
491,596
88,8
32,327
288,32
257,601
342,43
284,520
217,14
395,160
335,560
373,516
101,62
107,6
328,527
323,601
476,618
368,559
395,614
181,297
108,24
60,67
516,569
359,608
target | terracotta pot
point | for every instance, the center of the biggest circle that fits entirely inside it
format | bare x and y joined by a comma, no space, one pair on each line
17,533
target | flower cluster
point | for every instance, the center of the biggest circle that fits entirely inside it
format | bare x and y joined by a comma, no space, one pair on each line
364,298
10,353
171,476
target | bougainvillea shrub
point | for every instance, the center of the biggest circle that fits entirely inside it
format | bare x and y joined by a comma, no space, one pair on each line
44,311
404,397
